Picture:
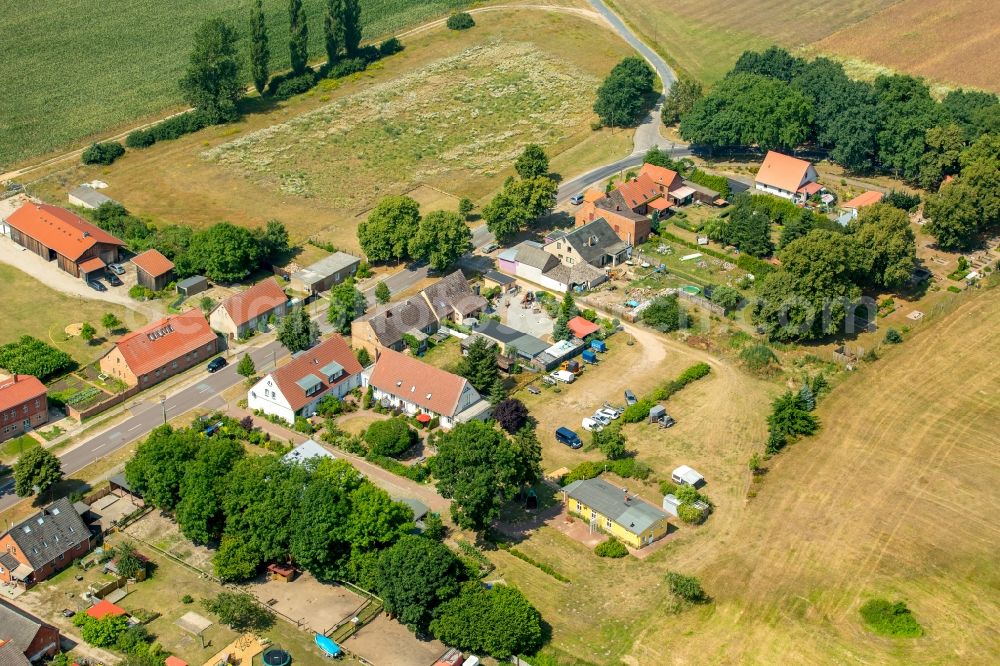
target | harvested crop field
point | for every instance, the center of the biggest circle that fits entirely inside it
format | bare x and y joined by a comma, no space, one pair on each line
956,42
473,111
127,56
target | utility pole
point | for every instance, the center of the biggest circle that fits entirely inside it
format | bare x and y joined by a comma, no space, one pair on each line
163,406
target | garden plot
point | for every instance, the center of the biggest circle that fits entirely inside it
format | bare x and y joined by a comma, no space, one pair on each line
470,112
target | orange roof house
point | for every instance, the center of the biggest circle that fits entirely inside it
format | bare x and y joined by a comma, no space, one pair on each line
785,176
665,179
161,349
867,199
637,192
405,383
152,269
593,194
249,310
581,327
294,389
55,233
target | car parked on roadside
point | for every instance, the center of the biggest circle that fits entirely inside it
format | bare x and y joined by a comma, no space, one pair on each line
216,364
117,269
96,286
576,199
113,280
568,437
490,247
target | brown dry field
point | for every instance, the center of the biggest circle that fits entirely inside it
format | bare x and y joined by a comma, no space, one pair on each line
956,41
895,497
172,182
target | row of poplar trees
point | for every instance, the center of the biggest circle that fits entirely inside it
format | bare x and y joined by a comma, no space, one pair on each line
341,33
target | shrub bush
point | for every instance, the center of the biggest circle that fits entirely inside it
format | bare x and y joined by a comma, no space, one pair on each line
178,126
611,548
389,438
460,21
142,138
347,67
389,47
890,618
759,358
286,86
638,412
103,153
893,337
686,587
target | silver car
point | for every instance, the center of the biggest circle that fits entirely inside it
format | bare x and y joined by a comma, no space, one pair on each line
117,269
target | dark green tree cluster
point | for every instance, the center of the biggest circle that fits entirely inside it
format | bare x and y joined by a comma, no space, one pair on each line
240,611
626,94
212,83
223,252
31,356
499,622
665,314
390,437
296,331
683,95
341,29
893,125
567,310
396,231
970,203
518,204
460,21
324,516
790,419
532,162
480,469
479,366
36,470
102,153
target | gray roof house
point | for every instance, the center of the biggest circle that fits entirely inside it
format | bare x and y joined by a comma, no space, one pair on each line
596,243
528,346
87,197
24,638
603,501
452,299
387,325
40,545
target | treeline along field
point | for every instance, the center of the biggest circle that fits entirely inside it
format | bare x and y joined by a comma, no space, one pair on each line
71,69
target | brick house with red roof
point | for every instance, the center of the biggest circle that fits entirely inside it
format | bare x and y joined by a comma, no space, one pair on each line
24,405
55,234
153,270
24,639
161,349
405,383
250,310
294,389
44,543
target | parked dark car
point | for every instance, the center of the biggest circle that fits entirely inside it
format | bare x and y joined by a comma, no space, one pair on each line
113,280
630,397
216,364
568,437
96,286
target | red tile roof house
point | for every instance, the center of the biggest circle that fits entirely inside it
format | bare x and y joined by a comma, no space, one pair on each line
48,541
868,198
55,234
787,177
294,389
250,310
162,349
153,270
24,639
24,405
402,382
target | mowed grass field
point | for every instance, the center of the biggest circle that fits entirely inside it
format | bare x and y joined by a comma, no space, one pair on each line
451,112
72,69
895,497
28,307
956,41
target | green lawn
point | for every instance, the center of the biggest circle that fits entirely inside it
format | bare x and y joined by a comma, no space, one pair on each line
31,308
72,69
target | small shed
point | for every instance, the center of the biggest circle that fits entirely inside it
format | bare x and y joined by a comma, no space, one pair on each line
581,327
493,279
687,475
192,285
281,573
87,197
153,270
105,608
325,273
657,412
672,506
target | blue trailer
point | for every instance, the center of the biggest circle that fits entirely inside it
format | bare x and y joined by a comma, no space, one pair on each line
590,356
598,345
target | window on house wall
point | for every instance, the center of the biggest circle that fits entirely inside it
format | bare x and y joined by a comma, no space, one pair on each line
607,523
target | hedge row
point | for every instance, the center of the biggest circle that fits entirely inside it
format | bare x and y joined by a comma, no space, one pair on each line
169,129
640,410
718,183
627,468
541,565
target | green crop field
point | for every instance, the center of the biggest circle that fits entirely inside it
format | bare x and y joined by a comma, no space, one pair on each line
74,69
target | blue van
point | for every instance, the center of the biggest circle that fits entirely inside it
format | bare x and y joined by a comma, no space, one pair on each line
568,437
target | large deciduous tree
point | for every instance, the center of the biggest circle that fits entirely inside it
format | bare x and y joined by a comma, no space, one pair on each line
297,331
260,52
886,247
240,612
158,466
199,511
479,469
347,303
36,469
624,95
442,238
387,232
499,621
351,18
511,414
225,252
212,82
333,30
414,577
532,162
519,203
682,97
905,111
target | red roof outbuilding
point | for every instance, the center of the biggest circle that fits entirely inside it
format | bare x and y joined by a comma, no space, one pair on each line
174,661
19,389
867,199
581,328
259,299
104,608
58,229
153,263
